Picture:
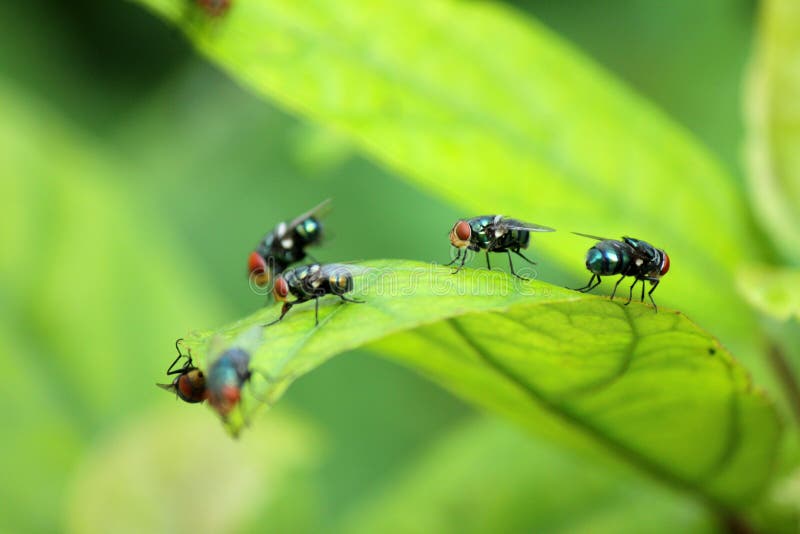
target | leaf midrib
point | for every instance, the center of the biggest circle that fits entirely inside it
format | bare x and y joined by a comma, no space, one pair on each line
646,464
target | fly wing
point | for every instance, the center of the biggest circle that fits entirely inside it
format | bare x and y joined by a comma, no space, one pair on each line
168,387
515,224
352,268
216,346
320,210
250,339
593,237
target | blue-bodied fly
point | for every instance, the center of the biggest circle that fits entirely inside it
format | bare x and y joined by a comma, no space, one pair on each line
493,233
286,244
311,282
629,257
226,375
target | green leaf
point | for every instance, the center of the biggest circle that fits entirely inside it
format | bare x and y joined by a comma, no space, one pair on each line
525,126
651,388
773,143
90,299
488,477
774,291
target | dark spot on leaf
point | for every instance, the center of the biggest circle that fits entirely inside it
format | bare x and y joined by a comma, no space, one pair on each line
712,351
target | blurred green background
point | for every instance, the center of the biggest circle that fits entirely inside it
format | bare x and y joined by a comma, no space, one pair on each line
136,178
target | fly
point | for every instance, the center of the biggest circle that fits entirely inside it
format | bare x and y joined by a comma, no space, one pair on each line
493,233
311,282
629,257
190,384
286,244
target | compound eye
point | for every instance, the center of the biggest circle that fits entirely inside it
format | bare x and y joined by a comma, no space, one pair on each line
191,386
460,234
281,289
463,230
255,263
665,265
257,269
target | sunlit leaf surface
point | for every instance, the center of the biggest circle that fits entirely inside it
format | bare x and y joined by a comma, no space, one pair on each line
652,388
526,127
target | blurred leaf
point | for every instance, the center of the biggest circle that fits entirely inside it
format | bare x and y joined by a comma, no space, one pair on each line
35,415
774,124
651,388
487,477
239,157
91,296
774,291
166,472
782,511
526,127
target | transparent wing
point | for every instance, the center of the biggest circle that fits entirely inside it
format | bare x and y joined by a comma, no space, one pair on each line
168,387
353,269
250,339
515,224
593,237
216,346
320,210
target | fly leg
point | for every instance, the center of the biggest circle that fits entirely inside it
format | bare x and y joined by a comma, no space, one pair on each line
170,371
615,286
511,266
488,265
316,311
458,257
463,261
650,293
521,255
630,293
588,287
284,310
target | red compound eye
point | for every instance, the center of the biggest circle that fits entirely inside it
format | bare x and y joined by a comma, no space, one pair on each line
281,289
463,231
192,386
460,234
256,264
665,265
257,269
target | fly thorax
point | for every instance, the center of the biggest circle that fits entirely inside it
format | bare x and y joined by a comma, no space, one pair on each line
309,230
595,261
280,230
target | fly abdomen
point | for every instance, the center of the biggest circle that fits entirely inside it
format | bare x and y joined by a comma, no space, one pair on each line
338,279
608,258
511,240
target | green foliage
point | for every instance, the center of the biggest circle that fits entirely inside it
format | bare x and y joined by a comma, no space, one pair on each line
532,129
774,291
525,127
487,477
774,125
651,388
118,242
221,485
89,301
